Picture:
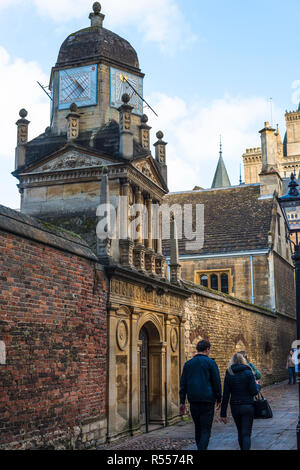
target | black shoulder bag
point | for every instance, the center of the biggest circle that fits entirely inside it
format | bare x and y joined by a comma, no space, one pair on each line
262,409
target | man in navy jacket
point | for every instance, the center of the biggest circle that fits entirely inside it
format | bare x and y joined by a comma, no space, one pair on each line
201,384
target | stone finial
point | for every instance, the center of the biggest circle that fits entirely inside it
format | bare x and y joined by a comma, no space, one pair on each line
23,113
74,108
97,17
125,98
97,8
22,127
160,155
145,133
73,122
126,135
22,139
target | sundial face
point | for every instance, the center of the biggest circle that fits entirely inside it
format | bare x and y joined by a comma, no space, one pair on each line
120,82
78,85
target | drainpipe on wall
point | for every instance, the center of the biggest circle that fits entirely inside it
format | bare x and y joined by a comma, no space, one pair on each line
252,280
272,281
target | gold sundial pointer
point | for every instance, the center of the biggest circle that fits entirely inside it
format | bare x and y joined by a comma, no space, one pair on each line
123,78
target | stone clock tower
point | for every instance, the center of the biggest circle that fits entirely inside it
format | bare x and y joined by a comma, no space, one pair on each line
91,127
93,69
96,150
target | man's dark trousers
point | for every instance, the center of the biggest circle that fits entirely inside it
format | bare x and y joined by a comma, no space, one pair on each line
203,416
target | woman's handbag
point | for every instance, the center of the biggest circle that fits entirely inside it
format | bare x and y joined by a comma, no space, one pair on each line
262,409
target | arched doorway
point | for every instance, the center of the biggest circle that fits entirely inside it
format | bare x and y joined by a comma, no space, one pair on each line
150,363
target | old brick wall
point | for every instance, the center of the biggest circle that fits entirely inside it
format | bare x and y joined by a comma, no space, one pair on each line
53,326
231,325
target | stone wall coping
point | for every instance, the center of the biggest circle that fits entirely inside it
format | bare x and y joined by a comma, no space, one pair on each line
197,290
14,222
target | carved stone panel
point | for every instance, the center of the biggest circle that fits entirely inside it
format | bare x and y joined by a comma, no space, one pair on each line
174,339
122,335
72,160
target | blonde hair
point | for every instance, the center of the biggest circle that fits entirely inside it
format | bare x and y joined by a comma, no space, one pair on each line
237,358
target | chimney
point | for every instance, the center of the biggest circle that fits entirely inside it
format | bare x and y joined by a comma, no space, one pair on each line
269,148
145,133
22,139
160,156
126,136
175,267
73,122
97,17
270,180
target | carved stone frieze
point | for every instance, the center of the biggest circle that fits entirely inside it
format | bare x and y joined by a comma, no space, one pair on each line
70,160
141,296
145,168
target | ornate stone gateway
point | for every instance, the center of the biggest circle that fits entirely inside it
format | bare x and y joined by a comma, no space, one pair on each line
146,353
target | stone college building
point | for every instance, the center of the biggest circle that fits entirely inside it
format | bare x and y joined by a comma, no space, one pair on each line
95,332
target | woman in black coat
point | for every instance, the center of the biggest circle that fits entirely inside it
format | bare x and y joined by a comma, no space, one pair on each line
241,388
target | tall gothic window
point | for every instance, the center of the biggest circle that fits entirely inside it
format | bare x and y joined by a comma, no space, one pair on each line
224,284
214,282
204,281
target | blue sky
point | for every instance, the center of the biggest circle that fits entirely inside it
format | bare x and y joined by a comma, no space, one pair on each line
211,68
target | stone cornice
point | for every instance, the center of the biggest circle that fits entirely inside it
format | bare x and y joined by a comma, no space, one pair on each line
147,280
119,170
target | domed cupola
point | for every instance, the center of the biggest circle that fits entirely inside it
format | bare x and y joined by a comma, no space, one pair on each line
94,69
97,44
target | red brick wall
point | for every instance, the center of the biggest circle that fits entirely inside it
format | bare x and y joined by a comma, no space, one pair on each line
53,323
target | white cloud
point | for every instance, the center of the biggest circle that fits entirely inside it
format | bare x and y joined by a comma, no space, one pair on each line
193,132
159,21
18,89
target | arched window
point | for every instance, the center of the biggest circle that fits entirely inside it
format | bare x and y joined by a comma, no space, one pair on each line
204,281
224,284
214,284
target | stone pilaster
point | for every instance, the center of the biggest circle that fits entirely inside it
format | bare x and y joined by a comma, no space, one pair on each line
150,261
126,135
139,252
145,133
139,201
103,239
160,156
175,267
126,253
73,122
135,373
168,380
112,385
149,241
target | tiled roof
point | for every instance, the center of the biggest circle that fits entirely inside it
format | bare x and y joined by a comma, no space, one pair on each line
235,219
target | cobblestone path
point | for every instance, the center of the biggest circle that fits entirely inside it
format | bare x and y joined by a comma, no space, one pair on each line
278,433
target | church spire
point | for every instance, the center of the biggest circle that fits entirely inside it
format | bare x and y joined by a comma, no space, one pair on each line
221,179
